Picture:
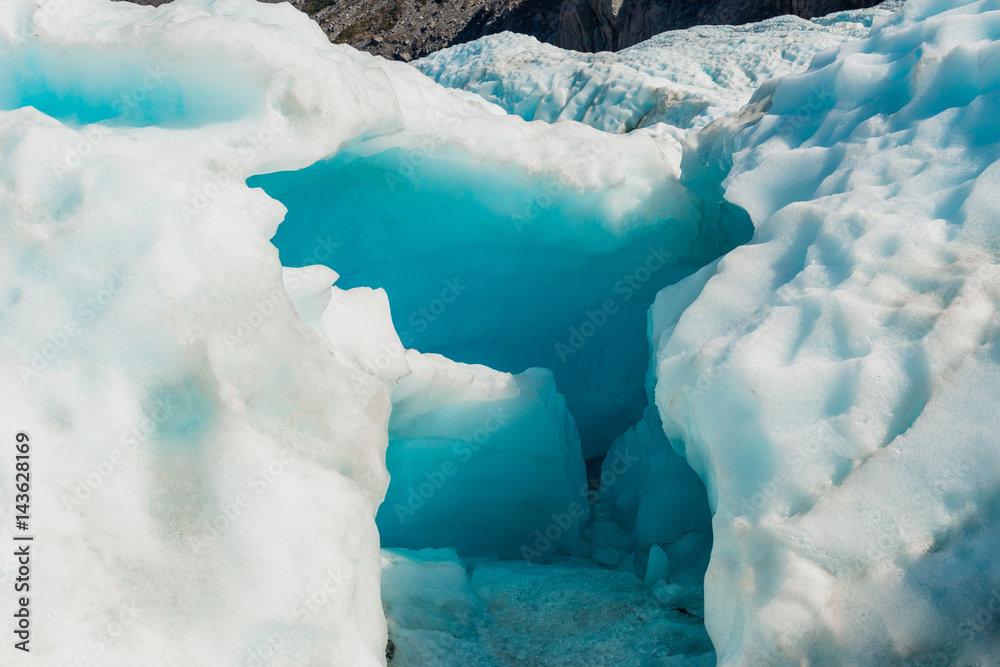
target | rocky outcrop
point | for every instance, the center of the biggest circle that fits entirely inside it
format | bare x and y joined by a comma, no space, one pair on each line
611,25
406,29
409,29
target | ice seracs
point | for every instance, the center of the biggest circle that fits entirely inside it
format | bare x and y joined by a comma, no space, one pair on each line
683,79
244,410
482,461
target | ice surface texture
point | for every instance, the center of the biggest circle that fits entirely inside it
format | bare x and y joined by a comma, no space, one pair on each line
205,471
834,381
455,612
479,459
212,464
512,244
211,431
683,78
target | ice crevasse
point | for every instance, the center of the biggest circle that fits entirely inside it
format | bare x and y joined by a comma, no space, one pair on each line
683,79
212,430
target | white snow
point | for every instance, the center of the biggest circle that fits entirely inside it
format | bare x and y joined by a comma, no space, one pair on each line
833,381
206,463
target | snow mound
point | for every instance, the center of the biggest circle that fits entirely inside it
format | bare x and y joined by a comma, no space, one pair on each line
834,381
205,473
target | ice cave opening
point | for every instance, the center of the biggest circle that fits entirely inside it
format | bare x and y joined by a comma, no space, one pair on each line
490,267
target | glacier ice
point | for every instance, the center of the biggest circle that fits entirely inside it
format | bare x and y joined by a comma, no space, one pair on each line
480,459
471,255
207,471
455,612
652,491
215,427
682,78
833,381
216,433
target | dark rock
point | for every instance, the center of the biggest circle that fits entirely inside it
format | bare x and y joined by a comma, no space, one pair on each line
610,25
408,29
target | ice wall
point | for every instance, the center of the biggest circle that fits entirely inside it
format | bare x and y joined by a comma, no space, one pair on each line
516,262
480,459
651,490
205,473
834,381
482,462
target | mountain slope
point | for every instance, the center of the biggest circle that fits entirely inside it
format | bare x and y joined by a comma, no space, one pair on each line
409,29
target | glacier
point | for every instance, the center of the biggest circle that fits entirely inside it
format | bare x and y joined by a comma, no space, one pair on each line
683,355
853,472
682,79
